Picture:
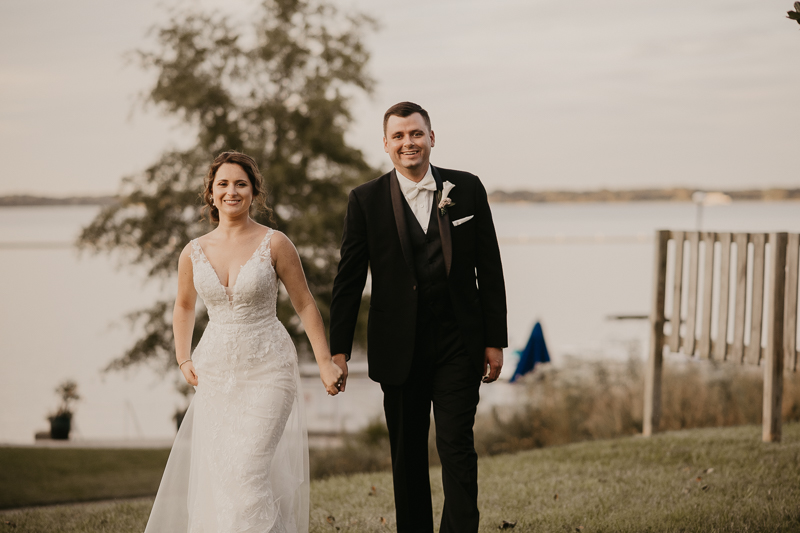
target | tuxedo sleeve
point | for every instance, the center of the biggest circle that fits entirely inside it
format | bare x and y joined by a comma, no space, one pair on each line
491,285
348,286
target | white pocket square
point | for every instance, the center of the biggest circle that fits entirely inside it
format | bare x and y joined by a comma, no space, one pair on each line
462,220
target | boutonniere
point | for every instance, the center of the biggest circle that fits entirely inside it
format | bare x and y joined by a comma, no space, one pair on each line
444,201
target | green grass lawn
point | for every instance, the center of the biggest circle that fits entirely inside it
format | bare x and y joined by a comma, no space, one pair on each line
695,480
35,476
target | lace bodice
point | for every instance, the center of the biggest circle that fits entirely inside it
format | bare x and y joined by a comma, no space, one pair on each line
252,298
243,332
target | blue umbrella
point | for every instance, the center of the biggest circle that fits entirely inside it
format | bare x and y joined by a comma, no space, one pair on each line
535,352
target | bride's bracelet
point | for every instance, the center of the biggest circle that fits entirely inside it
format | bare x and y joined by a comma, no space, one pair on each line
184,362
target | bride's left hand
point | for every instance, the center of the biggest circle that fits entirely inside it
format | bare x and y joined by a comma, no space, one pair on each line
189,373
331,376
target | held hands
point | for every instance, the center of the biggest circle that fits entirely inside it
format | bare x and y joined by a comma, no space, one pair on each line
492,364
189,374
341,361
332,377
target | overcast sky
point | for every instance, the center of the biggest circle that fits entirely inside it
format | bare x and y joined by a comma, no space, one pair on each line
528,94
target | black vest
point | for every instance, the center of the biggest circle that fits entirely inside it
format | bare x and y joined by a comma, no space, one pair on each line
434,295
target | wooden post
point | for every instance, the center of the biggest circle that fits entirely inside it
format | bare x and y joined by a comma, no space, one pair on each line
691,312
677,288
652,384
753,351
741,297
721,351
773,367
708,293
790,311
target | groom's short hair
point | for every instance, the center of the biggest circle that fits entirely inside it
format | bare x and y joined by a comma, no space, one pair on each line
405,109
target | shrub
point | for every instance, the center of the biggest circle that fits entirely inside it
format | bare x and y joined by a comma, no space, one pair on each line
364,451
600,400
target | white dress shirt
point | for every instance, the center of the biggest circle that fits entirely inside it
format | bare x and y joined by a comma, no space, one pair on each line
419,196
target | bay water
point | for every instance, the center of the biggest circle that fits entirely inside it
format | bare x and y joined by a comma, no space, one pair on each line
569,266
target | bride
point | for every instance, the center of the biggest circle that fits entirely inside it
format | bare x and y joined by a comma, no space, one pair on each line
240,460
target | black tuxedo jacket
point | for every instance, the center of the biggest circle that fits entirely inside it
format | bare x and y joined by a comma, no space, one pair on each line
376,237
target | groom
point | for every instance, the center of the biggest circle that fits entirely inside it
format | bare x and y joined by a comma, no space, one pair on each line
437,316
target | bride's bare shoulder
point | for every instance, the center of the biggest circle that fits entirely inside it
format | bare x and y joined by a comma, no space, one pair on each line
282,247
280,242
187,250
185,259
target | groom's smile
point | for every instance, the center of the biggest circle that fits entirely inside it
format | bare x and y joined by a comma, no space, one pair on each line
408,141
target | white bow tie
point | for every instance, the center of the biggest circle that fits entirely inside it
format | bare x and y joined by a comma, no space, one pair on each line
427,184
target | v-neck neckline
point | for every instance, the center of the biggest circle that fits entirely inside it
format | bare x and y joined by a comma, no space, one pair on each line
216,275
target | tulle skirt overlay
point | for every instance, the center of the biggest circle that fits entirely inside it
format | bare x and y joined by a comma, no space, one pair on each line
240,460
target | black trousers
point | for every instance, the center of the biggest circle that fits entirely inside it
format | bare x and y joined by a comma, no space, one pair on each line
444,376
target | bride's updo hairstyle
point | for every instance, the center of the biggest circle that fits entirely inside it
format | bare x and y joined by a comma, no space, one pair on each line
250,168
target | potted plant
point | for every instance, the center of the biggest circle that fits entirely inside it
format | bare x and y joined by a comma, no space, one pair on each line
61,421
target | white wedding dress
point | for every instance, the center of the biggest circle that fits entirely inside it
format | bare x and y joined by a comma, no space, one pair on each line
240,460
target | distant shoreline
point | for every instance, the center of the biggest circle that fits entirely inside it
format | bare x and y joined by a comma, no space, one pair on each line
24,200
681,194
640,195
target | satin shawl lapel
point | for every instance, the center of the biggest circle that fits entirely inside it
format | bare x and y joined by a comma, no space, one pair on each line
400,220
444,223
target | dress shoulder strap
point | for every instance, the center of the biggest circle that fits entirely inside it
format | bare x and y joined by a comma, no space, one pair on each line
197,252
264,249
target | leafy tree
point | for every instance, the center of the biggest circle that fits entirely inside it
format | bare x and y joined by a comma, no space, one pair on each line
794,15
277,89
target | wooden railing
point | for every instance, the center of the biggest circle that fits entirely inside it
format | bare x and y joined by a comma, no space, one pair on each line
741,274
